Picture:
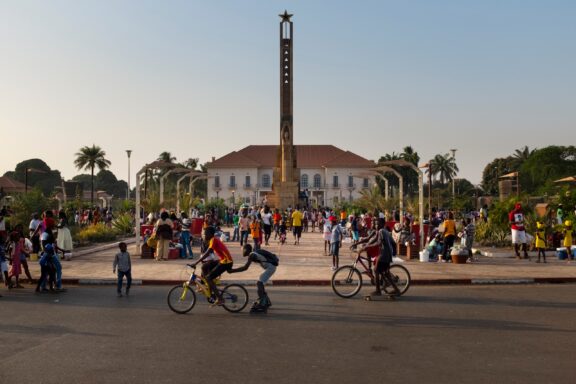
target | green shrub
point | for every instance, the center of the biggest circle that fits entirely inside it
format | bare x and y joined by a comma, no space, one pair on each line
123,224
96,233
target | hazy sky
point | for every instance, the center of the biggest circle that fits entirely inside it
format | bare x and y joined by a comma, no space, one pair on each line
200,78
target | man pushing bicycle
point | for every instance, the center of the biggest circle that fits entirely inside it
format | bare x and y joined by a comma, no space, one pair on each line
215,245
268,261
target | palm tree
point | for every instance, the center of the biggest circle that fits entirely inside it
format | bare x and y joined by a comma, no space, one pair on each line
410,155
520,156
88,158
444,166
167,157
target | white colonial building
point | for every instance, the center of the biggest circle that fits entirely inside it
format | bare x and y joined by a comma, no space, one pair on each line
328,174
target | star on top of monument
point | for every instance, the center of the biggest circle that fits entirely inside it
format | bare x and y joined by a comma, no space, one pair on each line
285,16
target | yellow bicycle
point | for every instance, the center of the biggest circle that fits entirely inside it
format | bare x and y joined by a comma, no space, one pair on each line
182,298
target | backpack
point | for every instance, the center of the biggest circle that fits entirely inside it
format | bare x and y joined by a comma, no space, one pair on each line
269,256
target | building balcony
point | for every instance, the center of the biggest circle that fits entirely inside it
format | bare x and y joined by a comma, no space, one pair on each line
217,187
248,186
350,186
335,186
232,186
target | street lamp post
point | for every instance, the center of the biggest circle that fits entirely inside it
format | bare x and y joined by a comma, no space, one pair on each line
128,152
453,150
233,200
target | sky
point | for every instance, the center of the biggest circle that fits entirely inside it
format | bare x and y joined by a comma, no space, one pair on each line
200,79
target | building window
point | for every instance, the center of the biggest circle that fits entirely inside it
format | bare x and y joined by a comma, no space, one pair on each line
266,181
317,181
335,181
366,183
304,181
217,181
350,181
247,182
233,181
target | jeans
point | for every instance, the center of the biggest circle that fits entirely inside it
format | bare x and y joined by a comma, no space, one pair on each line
243,237
236,234
121,275
186,250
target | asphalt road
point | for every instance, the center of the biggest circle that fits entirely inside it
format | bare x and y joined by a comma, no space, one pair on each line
448,334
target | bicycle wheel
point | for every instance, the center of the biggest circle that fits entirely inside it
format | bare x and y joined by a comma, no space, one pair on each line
181,299
346,281
401,279
235,297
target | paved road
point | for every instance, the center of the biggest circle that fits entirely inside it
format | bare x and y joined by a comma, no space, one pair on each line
446,334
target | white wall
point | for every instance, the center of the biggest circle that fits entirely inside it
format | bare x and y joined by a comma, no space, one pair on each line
256,182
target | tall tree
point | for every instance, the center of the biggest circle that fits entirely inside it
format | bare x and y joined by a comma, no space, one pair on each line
520,156
444,166
39,175
89,158
410,155
167,157
493,171
191,163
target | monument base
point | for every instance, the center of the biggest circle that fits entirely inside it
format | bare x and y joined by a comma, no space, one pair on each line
284,194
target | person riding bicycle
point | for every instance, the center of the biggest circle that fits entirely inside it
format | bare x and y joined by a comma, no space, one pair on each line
215,245
384,259
268,261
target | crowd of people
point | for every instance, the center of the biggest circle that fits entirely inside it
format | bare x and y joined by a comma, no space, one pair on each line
48,238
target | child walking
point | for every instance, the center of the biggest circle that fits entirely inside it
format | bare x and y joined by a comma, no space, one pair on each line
122,261
541,240
335,243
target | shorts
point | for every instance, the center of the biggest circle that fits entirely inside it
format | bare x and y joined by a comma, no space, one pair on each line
518,236
268,272
218,270
267,229
297,231
327,236
3,266
335,248
355,236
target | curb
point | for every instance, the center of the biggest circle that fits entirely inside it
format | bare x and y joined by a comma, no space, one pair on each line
103,247
305,283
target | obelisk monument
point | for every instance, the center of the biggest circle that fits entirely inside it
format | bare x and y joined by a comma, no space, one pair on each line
286,175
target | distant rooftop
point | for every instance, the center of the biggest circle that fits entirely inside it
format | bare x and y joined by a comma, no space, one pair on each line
307,156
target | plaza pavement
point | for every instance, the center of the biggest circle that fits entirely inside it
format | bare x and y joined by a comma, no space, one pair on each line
306,264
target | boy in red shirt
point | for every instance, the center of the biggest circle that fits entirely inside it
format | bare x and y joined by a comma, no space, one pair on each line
224,265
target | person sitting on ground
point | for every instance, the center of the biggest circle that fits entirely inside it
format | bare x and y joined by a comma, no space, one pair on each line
435,247
269,262
225,263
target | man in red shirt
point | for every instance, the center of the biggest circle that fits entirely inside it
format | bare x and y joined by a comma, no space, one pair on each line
516,218
224,265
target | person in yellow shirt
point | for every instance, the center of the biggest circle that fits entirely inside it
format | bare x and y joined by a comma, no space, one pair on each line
297,225
541,240
449,236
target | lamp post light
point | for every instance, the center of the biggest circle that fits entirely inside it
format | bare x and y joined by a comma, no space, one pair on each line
233,200
128,152
453,150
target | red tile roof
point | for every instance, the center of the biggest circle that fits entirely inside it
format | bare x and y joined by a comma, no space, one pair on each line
10,185
307,156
